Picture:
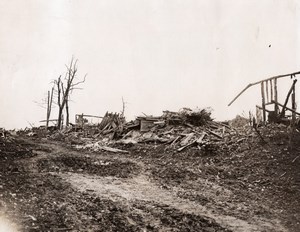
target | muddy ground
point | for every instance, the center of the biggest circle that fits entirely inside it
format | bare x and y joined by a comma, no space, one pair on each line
248,186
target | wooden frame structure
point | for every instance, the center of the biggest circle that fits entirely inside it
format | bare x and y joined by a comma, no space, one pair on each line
269,95
79,118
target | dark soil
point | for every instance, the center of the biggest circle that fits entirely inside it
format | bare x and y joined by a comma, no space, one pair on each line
41,201
86,164
247,180
265,173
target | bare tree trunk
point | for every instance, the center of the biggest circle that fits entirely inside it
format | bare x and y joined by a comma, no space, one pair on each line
49,107
59,103
47,116
123,107
67,113
59,120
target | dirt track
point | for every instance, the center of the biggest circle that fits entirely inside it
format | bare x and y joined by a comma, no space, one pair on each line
150,189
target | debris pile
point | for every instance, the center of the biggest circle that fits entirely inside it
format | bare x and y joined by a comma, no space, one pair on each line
185,116
177,130
111,123
197,117
98,147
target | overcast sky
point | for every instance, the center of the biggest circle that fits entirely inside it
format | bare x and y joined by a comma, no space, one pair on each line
156,54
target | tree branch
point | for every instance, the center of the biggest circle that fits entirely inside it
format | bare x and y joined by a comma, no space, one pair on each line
79,82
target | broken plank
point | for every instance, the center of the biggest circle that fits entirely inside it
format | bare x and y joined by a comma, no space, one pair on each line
183,147
187,139
175,140
215,134
200,139
106,148
277,103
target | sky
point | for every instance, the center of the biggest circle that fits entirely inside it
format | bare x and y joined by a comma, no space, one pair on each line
155,54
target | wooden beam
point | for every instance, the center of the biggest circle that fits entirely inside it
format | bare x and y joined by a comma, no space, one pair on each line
287,98
267,90
259,107
276,77
89,116
49,120
263,101
287,108
276,109
269,103
247,87
294,104
271,87
258,82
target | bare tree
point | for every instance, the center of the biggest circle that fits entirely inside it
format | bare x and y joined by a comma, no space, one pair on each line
123,107
58,91
49,106
64,89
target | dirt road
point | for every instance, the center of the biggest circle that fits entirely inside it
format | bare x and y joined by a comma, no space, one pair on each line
56,188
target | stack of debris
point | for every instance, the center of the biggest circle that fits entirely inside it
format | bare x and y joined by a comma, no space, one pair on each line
148,122
111,123
186,116
178,130
197,117
181,136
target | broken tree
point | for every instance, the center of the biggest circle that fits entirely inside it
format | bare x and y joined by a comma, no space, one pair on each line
48,102
49,106
64,88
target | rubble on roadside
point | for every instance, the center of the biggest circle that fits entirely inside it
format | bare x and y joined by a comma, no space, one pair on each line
176,130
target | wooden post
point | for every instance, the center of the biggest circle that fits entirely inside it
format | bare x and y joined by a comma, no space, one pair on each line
292,89
82,124
82,121
263,101
294,104
267,91
75,122
290,109
271,87
48,106
276,108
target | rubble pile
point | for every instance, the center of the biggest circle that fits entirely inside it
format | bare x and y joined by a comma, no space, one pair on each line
185,116
111,122
197,117
177,130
